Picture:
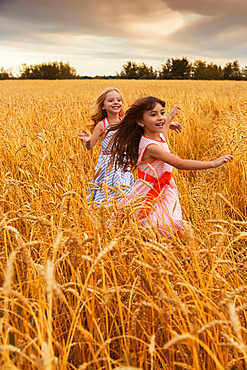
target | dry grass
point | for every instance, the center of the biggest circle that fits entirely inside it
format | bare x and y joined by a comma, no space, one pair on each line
80,293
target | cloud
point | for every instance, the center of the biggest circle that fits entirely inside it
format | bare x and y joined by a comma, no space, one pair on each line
222,25
206,7
87,16
113,32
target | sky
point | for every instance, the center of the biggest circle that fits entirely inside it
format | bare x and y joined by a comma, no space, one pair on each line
97,37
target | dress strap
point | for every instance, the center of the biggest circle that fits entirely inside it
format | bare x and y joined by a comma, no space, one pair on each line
104,121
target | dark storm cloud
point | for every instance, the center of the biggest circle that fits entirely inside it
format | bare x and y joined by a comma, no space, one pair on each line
222,24
112,18
87,16
204,7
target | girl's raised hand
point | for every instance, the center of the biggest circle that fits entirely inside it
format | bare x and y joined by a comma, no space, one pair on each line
221,160
173,112
176,126
84,136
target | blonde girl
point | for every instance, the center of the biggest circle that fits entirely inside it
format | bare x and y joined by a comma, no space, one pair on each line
109,182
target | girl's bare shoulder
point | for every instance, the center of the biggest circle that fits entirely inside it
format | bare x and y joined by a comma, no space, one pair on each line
100,126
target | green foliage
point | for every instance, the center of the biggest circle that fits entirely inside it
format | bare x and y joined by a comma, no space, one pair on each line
176,69
48,71
182,69
203,71
5,75
132,71
232,71
173,69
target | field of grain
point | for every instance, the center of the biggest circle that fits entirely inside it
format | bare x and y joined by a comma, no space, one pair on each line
80,293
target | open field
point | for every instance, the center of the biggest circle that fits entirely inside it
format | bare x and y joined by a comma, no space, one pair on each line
76,294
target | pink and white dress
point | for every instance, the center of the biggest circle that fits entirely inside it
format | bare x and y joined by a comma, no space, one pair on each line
154,196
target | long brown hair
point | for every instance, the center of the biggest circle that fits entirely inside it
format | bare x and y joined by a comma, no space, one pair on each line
125,142
99,113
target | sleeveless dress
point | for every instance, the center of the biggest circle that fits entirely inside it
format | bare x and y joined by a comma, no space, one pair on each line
154,196
109,182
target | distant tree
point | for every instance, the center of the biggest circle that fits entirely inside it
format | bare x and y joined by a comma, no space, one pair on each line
236,70
48,71
5,74
203,71
199,70
146,73
214,72
176,69
166,70
24,71
181,69
129,71
232,71
244,73
66,71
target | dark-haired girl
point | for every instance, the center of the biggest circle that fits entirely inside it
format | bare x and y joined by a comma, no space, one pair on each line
140,140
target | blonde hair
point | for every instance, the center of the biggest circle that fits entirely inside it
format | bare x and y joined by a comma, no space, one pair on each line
99,113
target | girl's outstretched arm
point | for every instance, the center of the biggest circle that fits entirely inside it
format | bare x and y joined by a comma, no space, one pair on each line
154,151
91,140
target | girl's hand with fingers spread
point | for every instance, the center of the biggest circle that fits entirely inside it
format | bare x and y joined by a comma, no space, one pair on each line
177,127
221,160
85,136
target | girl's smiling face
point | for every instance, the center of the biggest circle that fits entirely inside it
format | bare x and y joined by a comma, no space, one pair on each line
153,121
113,102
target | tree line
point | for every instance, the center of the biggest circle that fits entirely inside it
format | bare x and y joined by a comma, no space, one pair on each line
173,69
182,69
43,71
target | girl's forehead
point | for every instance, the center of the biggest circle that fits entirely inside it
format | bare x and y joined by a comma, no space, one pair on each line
157,106
112,94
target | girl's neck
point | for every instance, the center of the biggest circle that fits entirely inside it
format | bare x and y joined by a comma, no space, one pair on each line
152,135
113,118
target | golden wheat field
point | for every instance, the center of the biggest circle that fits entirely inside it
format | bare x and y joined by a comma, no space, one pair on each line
80,293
